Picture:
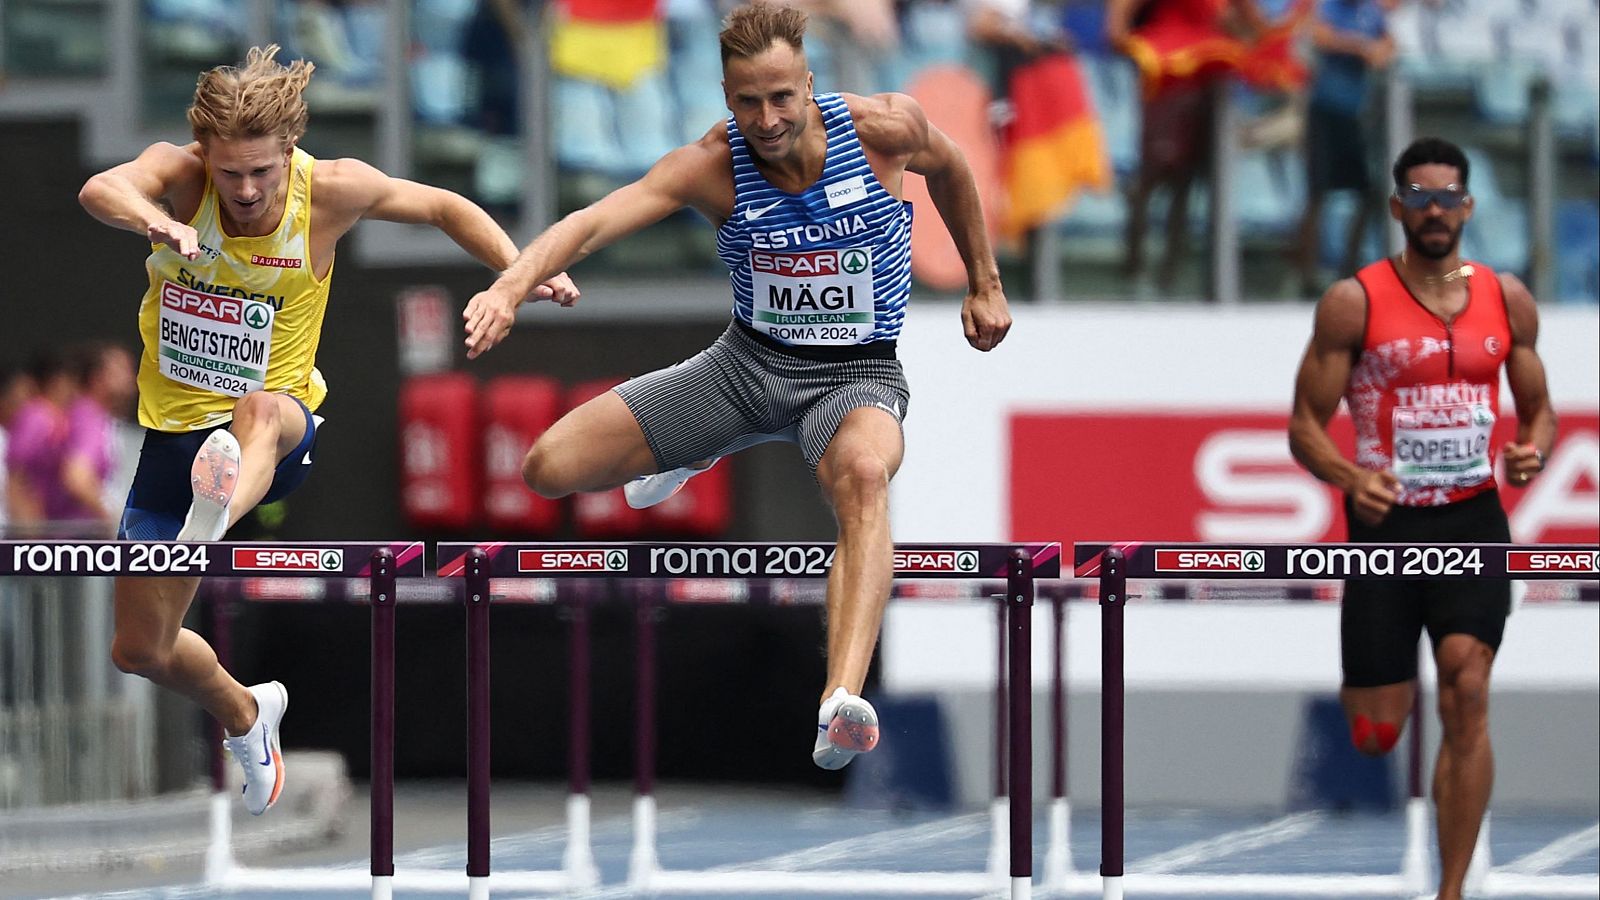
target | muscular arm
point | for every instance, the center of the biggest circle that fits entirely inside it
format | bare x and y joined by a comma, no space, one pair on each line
1536,420
129,196
984,314
1324,374
350,189
691,175
674,182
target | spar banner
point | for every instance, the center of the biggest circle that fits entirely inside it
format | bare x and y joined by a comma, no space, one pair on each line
1228,476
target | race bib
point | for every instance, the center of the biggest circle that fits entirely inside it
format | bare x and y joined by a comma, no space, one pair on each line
816,297
218,343
1442,446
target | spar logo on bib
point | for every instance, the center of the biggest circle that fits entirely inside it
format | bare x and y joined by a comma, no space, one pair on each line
226,310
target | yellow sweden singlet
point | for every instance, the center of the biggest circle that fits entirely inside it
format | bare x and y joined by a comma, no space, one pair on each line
244,316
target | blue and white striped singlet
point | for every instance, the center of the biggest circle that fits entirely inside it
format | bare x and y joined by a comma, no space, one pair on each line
829,266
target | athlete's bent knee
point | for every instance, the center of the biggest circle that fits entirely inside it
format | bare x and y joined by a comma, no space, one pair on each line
256,409
1373,738
539,474
139,659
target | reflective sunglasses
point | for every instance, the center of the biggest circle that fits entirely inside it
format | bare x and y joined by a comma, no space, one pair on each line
1418,197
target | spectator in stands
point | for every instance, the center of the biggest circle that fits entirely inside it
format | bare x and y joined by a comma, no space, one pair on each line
1352,41
35,493
16,389
88,456
1182,49
1051,140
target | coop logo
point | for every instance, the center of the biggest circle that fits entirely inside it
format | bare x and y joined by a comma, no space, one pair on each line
1574,562
288,559
1211,561
935,561
573,559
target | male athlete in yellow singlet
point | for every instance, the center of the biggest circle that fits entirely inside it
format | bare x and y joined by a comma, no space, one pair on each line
241,258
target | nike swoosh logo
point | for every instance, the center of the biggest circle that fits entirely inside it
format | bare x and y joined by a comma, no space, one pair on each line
266,746
750,215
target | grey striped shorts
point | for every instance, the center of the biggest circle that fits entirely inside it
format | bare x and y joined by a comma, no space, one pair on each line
739,392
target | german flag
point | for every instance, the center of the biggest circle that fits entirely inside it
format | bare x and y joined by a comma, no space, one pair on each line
612,42
1053,144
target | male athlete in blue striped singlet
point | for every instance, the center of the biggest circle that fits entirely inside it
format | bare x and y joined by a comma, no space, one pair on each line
805,192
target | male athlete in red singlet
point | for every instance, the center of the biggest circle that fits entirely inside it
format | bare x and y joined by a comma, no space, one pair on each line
1414,345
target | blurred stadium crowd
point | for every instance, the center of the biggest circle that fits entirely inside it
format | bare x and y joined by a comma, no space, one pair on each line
1311,86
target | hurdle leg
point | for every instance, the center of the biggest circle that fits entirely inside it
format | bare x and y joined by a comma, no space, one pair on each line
477,601
578,861
382,737
1019,609
999,809
1058,857
1113,598
219,849
643,862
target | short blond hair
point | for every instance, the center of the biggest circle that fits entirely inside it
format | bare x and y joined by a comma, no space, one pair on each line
257,99
749,30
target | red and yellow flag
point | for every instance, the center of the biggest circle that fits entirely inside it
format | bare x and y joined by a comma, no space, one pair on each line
1053,145
613,42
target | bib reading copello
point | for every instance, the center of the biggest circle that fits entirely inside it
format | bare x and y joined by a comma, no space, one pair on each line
246,315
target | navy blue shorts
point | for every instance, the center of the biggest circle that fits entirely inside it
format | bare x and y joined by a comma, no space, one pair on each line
160,496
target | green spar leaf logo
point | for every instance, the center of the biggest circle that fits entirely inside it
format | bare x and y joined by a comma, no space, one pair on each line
617,561
1255,561
854,262
332,560
255,316
966,561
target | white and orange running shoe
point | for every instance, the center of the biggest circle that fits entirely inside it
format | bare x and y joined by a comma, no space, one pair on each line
847,725
213,477
259,751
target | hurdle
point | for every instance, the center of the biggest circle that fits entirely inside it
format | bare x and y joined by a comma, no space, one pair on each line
1113,564
379,563
1018,564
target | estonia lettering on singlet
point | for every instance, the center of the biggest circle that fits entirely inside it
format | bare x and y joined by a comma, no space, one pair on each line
829,266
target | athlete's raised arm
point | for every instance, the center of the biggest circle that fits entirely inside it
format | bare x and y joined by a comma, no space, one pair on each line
690,176
141,195
985,317
349,190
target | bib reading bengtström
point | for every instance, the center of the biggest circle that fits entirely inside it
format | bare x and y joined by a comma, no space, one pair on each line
218,343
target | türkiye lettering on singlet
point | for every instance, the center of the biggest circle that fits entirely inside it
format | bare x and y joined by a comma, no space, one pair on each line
828,266
246,315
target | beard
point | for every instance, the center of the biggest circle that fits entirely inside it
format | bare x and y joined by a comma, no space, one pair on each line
1419,239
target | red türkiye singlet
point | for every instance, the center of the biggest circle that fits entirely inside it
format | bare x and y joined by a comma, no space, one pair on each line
1425,392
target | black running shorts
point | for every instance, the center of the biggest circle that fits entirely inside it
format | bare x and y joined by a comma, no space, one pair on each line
1380,621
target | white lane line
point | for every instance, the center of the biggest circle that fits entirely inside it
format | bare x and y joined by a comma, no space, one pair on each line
1276,832
899,839
1555,853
